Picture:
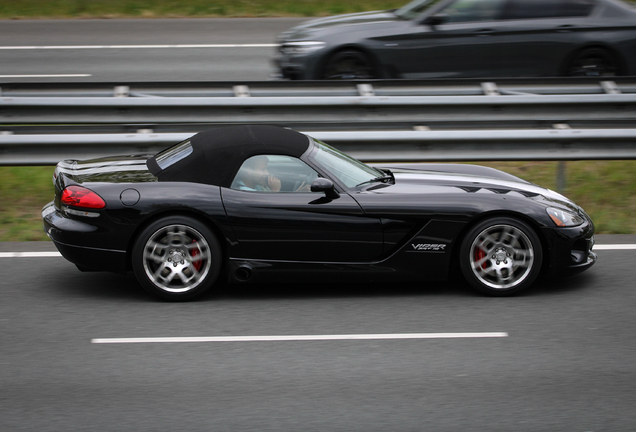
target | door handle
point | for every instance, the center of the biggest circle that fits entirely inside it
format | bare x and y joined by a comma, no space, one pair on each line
565,28
485,32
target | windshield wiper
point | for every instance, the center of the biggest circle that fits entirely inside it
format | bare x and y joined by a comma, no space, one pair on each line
388,176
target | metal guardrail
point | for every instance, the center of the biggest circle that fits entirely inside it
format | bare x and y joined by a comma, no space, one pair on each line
326,105
443,120
360,112
429,87
375,146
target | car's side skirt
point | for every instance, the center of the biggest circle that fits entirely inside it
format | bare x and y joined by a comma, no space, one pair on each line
425,257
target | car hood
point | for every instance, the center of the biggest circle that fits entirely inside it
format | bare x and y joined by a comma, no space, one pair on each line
305,29
435,182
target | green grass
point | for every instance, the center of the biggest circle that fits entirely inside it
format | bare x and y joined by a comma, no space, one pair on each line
29,9
23,193
16,9
605,189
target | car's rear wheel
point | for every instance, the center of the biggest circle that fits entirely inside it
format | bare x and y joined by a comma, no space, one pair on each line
501,256
593,62
349,64
177,258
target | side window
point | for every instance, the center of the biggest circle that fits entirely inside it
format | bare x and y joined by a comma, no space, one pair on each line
473,10
530,9
577,8
274,173
533,9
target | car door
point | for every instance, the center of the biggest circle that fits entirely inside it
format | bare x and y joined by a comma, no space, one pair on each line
297,225
534,37
459,46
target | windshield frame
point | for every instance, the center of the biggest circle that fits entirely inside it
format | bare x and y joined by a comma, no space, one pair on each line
352,182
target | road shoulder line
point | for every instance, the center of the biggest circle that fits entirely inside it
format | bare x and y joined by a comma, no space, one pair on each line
299,338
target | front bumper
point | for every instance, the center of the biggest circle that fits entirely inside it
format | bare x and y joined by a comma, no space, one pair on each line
578,268
73,239
570,249
288,69
298,67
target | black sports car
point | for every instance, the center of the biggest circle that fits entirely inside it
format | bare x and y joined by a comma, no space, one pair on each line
259,203
465,38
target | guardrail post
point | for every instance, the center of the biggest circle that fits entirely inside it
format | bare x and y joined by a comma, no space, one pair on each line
610,87
366,90
241,91
490,89
121,91
561,177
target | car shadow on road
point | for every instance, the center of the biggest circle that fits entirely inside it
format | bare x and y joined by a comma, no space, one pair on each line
339,290
565,285
450,289
125,287
97,285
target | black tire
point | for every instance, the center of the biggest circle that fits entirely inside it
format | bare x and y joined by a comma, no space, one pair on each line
593,62
501,256
177,258
348,65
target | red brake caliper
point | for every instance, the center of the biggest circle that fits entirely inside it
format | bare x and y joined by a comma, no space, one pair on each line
194,253
479,255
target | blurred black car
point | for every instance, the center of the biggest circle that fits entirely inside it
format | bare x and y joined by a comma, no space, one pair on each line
262,203
465,38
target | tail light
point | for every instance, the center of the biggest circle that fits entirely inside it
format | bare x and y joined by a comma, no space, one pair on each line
78,196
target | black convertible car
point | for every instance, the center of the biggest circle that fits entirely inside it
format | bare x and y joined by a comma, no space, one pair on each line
465,38
263,203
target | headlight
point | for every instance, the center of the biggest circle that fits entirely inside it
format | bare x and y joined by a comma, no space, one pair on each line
564,218
300,48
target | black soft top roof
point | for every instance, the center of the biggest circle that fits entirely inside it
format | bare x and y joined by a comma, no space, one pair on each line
217,154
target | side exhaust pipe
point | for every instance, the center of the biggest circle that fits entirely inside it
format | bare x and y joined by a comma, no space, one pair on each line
243,273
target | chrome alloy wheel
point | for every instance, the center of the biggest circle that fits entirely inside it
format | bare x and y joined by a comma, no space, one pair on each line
176,258
501,256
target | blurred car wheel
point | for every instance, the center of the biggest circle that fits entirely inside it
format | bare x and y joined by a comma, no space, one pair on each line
349,64
501,256
176,258
593,62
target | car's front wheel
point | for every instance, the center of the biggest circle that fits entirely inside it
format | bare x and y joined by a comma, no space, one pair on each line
176,258
501,256
349,65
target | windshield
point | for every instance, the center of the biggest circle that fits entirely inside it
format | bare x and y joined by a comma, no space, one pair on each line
414,9
349,171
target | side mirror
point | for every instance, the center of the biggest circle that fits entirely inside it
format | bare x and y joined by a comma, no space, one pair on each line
322,184
435,20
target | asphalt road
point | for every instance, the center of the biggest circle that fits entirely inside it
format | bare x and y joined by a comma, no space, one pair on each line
566,365
121,50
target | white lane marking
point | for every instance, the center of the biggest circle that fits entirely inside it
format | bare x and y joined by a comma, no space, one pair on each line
75,47
47,76
57,254
298,338
614,247
29,254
